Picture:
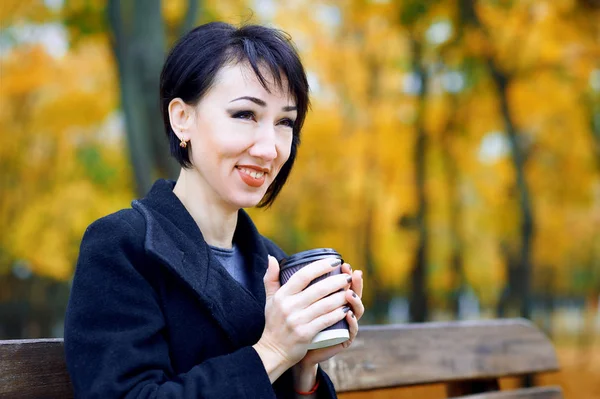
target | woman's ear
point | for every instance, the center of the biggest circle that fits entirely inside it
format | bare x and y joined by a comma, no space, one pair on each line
180,117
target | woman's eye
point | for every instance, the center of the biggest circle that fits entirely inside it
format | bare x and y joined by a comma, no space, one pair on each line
244,115
287,122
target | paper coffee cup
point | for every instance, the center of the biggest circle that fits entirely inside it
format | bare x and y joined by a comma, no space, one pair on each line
338,332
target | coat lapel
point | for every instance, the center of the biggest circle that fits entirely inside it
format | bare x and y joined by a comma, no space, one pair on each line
174,239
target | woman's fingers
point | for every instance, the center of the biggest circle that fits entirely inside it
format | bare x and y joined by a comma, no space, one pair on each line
328,319
353,296
346,268
355,303
304,276
357,282
353,328
323,288
324,306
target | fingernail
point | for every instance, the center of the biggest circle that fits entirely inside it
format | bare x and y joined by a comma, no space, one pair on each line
346,309
350,268
349,279
336,262
352,314
354,294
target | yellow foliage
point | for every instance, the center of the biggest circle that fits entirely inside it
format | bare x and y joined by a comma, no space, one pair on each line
55,109
354,181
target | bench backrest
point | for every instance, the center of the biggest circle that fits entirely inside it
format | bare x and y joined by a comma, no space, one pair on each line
34,368
468,356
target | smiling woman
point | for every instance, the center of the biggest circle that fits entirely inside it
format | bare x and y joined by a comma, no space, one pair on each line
238,144
179,296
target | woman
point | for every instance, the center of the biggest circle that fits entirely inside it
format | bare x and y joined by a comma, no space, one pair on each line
179,296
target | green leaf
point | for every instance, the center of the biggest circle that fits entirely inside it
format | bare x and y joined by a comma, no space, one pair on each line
95,166
413,10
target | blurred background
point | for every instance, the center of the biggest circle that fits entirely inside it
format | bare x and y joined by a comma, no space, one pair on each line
452,152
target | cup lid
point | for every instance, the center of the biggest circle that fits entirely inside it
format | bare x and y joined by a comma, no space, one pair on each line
308,256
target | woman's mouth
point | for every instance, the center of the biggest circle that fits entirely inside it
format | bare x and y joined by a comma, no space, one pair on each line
252,177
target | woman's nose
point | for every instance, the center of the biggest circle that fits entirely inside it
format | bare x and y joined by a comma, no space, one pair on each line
265,145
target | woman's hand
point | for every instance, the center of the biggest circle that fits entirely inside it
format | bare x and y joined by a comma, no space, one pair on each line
354,298
294,315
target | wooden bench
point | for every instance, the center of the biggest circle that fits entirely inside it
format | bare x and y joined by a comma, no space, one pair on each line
467,356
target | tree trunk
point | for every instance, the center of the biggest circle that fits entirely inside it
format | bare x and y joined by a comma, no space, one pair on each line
522,284
458,284
139,46
418,306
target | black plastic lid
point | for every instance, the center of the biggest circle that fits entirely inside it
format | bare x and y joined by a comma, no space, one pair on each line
308,256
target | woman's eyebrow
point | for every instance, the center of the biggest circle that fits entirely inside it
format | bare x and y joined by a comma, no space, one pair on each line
253,99
260,102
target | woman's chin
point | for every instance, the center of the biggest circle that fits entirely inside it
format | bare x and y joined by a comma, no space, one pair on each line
247,200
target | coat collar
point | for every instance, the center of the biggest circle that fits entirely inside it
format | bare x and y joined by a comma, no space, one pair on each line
173,238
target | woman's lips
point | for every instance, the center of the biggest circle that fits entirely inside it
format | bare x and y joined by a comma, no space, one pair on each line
251,176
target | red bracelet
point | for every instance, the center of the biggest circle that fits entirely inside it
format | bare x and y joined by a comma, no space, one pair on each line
313,390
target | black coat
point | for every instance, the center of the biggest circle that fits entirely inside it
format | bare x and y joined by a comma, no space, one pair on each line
153,314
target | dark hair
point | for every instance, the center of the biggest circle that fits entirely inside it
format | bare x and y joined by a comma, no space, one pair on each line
194,61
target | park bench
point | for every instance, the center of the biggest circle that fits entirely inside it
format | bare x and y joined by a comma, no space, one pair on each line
469,357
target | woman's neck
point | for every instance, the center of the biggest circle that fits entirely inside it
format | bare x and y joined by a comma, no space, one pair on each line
216,222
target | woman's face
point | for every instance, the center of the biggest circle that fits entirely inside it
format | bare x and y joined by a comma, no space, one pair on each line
241,136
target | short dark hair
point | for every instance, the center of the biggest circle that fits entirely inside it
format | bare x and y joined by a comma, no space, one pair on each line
193,63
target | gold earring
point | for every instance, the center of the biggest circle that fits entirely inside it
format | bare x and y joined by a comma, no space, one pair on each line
183,143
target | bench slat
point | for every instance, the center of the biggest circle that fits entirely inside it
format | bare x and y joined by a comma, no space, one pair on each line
527,393
34,369
401,355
